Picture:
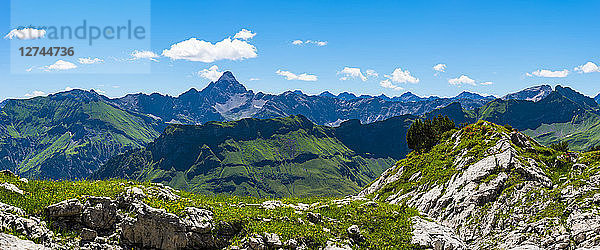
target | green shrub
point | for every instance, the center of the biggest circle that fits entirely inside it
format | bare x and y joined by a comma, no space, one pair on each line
424,134
561,146
509,127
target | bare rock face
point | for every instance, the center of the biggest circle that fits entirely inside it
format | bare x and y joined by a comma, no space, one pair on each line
432,235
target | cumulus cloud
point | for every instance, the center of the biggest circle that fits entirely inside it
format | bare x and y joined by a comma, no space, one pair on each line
352,73
402,76
35,93
440,67
144,54
203,51
486,83
309,42
211,73
301,77
254,79
25,34
244,34
89,60
588,67
463,79
388,84
549,73
60,65
372,73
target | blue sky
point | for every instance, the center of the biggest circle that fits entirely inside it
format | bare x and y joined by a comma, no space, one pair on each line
486,47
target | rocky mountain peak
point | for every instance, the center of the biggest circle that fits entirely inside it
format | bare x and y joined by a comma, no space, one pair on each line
227,76
470,95
227,84
534,93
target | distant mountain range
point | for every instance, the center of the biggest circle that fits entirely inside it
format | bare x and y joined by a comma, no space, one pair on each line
70,134
228,100
597,98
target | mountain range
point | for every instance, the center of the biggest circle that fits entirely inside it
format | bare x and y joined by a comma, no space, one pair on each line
228,100
71,134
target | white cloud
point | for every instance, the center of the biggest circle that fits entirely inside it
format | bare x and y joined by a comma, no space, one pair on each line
400,76
202,51
588,67
463,79
388,84
25,34
144,54
486,83
309,42
254,79
372,73
35,93
211,73
440,67
89,60
352,73
60,65
549,73
302,77
244,34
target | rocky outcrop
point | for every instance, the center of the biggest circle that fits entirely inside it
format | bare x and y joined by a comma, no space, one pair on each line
128,222
12,220
155,228
429,234
482,205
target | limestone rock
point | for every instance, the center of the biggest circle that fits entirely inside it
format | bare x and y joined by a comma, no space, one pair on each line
11,187
66,208
432,235
9,242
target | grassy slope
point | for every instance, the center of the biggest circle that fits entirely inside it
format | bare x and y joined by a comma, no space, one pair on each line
50,137
581,133
277,157
384,226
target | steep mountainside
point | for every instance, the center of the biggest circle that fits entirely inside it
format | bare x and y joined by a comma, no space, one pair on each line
68,135
495,188
455,112
273,157
560,106
597,98
535,93
228,100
